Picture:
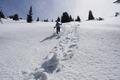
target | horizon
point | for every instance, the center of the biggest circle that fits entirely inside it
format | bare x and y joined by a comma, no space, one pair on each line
54,8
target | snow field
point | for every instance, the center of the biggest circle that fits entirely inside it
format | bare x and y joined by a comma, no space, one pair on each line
88,50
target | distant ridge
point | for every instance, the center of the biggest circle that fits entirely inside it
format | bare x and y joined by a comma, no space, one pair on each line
118,1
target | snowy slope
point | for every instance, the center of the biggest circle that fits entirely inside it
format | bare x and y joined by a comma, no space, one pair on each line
89,50
21,48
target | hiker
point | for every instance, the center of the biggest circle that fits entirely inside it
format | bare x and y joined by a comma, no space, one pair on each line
57,26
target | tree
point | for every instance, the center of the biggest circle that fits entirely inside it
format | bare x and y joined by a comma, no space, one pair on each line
1,14
11,17
38,19
90,16
65,17
78,19
117,1
15,17
58,19
71,19
46,20
29,16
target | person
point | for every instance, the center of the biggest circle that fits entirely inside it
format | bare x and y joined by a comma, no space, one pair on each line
57,26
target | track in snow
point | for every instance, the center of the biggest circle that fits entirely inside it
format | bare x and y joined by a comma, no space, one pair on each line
63,51
81,55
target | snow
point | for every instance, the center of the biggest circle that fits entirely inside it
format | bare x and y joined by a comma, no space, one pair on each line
89,50
20,45
95,54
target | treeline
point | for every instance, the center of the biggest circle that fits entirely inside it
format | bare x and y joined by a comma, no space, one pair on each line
65,17
14,17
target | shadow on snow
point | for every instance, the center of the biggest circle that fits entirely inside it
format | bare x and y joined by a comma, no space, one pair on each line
49,38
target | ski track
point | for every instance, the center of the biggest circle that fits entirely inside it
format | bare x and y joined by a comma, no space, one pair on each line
62,52
70,60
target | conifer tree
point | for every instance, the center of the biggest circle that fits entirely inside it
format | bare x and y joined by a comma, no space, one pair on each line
90,16
65,17
78,19
38,19
16,17
117,1
71,19
29,16
1,14
58,19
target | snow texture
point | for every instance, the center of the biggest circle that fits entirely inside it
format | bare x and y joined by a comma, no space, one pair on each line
89,50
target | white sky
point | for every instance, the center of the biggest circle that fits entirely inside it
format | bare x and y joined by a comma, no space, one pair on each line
100,8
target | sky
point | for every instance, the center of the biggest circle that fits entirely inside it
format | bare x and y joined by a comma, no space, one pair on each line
52,8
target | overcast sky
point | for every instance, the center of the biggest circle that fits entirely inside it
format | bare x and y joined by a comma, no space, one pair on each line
53,8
